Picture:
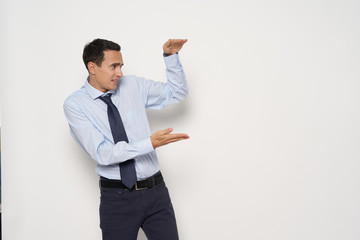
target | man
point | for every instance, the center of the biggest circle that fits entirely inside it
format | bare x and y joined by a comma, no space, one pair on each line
107,117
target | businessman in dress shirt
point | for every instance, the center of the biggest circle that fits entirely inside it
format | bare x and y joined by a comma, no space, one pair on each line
147,205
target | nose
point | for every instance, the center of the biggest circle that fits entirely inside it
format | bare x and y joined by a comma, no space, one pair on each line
119,72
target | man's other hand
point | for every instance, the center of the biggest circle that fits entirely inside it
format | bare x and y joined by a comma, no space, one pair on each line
173,46
163,137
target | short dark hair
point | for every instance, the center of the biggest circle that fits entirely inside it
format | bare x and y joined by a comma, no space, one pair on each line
94,51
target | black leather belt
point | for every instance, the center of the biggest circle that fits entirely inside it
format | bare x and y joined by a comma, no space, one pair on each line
139,185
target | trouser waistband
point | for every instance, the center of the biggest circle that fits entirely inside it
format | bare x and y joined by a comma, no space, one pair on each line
139,185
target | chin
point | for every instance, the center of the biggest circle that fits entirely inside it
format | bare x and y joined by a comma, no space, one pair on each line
113,88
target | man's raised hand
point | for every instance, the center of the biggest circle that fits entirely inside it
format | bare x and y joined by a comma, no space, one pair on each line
173,46
163,137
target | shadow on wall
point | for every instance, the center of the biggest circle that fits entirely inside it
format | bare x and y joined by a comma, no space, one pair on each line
168,116
141,235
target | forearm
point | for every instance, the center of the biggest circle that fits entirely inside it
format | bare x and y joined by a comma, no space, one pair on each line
176,77
158,94
104,152
108,153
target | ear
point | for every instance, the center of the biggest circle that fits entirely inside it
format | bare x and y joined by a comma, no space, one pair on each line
91,67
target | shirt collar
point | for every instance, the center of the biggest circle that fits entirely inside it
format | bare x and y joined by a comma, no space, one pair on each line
93,92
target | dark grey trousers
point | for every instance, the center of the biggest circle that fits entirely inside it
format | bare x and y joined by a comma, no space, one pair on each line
123,212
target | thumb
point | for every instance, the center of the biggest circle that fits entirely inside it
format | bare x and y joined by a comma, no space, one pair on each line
168,43
168,130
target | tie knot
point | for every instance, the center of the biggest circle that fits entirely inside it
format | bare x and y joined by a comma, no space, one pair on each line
106,98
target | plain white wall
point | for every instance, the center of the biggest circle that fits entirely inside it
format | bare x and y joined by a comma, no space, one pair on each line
273,115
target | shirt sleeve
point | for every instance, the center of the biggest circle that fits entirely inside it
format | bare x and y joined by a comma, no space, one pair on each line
101,149
158,95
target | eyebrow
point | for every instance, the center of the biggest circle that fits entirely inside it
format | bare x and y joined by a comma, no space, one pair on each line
117,64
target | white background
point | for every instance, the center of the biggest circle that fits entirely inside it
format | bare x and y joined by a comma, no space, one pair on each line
273,115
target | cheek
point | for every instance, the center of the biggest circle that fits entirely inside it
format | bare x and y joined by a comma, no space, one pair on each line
110,73
105,75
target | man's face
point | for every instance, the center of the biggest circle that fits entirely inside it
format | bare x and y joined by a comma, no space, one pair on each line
106,76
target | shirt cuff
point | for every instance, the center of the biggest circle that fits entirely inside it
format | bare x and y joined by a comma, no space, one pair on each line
172,60
145,146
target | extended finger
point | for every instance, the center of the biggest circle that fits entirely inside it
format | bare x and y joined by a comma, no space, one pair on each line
178,135
180,41
175,140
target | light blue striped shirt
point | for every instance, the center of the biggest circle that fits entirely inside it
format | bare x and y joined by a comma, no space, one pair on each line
89,124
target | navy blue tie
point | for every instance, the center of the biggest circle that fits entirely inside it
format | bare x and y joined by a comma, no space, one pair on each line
127,168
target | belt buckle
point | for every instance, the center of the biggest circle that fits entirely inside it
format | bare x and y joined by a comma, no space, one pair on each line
139,188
